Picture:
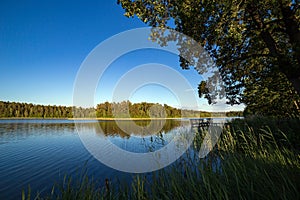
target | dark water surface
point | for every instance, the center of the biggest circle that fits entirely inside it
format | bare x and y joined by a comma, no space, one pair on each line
40,153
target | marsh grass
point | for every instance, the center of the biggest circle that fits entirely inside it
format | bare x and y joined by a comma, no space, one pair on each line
246,163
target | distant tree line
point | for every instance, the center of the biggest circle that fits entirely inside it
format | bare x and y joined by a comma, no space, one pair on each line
143,110
13,109
103,110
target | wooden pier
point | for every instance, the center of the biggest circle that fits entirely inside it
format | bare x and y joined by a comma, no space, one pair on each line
201,122
205,122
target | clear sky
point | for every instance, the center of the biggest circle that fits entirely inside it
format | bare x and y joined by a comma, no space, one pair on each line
43,44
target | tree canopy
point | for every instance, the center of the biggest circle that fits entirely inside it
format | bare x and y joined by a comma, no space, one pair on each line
253,43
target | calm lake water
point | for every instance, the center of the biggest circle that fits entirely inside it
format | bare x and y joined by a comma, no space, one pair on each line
40,152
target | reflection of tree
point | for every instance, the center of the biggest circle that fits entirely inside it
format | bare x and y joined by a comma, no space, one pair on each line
111,128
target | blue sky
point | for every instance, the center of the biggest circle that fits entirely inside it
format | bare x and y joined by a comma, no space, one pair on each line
43,44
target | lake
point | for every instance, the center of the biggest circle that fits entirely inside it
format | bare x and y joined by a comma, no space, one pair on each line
40,153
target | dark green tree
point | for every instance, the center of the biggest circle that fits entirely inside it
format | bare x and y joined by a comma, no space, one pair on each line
247,40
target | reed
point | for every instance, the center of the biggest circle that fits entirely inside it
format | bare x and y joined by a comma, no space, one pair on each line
247,163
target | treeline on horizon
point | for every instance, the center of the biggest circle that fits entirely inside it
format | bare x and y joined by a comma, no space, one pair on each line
102,110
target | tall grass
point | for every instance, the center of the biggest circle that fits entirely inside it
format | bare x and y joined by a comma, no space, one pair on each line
247,163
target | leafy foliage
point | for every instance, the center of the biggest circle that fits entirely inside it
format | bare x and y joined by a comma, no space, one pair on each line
272,96
247,40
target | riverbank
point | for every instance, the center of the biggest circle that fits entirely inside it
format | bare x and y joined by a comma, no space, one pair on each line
92,119
125,119
113,119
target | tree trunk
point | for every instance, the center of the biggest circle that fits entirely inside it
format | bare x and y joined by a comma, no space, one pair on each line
292,30
296,83
292,71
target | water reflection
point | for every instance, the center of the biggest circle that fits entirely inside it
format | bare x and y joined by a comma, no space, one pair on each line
142,138
39,152
134,148
18,131
143,128
10,128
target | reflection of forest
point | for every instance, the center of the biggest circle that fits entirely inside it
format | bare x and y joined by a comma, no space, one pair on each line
122,128
140,128
35,128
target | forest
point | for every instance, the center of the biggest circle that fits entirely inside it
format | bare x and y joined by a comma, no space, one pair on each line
122,109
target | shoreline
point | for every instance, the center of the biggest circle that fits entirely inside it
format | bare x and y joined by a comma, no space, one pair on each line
109,119
123,119
102,119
